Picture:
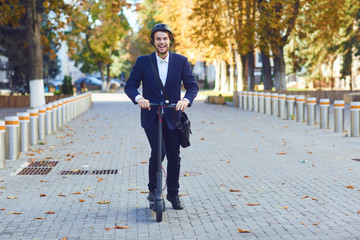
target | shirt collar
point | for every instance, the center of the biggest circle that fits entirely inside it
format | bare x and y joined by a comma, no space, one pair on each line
160,60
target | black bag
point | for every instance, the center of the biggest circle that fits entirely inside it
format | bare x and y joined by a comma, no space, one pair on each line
185,130
184,124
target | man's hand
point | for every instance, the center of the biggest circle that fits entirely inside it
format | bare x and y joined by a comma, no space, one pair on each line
181,105
144,103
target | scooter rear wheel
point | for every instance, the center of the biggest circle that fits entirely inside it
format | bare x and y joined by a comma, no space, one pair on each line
160,208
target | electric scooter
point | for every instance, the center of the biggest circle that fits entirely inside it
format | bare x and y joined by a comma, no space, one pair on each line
159,204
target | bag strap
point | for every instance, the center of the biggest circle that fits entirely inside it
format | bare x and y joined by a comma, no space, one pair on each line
177,123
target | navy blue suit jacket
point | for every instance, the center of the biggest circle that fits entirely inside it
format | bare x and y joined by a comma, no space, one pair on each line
179,72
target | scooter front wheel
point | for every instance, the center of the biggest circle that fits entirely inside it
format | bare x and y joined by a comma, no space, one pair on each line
160,208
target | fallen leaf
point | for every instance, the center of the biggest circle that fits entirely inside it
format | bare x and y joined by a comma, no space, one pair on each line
234,190
350,187
309,152
131,189
65,238
16,213
144,192
68,155
281,153
42,195
186,175
62,195
202,138
2,209
43,181
253,204
121,227
315,199
2,187
107,229
182,195
305,197
81,200
38,218
101,179
86,189
103,202
315,224
91,196
12,197
50,212
144,162
75,193
243,231
358,212
246,176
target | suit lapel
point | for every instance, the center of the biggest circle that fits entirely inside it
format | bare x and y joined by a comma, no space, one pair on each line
171,64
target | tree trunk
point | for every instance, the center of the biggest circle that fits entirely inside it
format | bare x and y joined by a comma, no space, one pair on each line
108,80
224,88
217,75
251,66
101,69
279,68
232,76
33,36
266,71
244,72
239,69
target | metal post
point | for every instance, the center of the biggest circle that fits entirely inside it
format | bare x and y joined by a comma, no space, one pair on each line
339,109
48,121
245,100
54,116
34,125
300,102
282,105
24,122
261,102
275,104
11,137
324,113
60,114
42,123
250,101
355,118
290,100
240,99
311,111
267,102
2,145
256,101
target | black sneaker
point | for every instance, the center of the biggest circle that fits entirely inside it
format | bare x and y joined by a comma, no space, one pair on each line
175,201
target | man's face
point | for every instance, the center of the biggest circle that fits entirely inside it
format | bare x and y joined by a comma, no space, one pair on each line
162,43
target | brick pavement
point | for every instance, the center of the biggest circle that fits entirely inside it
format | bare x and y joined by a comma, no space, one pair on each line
257,155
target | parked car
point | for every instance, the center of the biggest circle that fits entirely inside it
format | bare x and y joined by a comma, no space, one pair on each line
92,83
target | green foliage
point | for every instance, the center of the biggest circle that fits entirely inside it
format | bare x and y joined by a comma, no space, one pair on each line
67,87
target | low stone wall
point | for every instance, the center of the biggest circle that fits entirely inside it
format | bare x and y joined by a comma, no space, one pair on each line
24,101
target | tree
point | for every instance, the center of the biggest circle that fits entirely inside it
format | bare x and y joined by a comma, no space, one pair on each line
97,28
24,18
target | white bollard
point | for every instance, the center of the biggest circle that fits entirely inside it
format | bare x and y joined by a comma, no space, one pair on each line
282,106
60,114
245,100
339,109
256,101
355,118
24,122
2,145
275,104
261,102
54,116
34,126
311,111
290,102
324,113
250,101
300,102
42,123
240,99
267,99
11,137
48,121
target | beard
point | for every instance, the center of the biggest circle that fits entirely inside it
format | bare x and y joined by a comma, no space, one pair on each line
162,50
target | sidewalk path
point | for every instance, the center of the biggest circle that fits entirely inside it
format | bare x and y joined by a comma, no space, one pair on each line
277,179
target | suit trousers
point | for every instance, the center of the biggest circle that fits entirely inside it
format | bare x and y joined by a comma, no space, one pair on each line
170,148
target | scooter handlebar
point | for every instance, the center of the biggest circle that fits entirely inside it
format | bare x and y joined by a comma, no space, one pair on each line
169,105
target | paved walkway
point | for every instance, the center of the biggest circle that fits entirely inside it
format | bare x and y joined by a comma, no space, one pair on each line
276,179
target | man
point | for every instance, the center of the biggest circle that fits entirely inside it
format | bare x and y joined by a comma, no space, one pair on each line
173,70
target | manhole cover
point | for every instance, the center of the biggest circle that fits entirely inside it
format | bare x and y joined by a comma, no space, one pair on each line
109,171
35,171
43,164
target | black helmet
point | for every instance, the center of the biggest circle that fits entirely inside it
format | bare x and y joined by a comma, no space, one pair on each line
163,28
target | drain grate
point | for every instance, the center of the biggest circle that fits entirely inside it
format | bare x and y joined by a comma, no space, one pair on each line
44,164
35,171
109,171
86,172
